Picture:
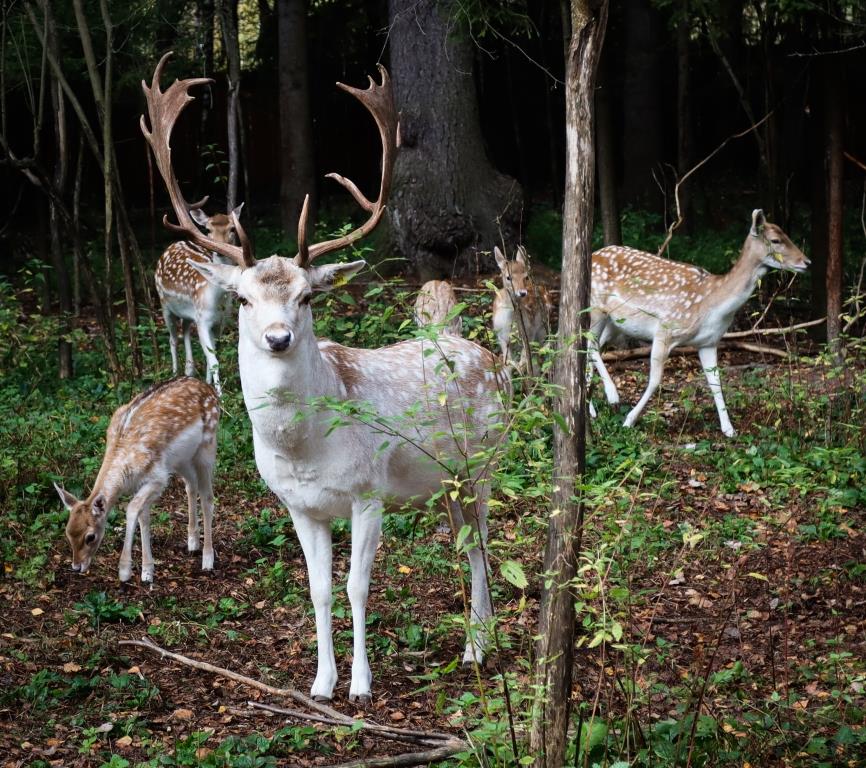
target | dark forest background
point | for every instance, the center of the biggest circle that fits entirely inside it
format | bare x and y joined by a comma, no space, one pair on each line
677,78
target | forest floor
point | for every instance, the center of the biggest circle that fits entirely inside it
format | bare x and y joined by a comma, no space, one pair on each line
721,602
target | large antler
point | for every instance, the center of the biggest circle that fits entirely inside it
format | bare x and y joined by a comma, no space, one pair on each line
163,109
379,101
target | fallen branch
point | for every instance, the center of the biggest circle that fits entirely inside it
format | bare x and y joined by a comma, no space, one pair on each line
407,758
445,743
618,355
773,331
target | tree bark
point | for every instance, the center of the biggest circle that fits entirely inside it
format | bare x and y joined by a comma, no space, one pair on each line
297,174
684,113
555,651
228,10
448,202
835,132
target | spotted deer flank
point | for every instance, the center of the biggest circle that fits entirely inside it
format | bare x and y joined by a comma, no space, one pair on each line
520,306
435,302
186,296
642,296
169,429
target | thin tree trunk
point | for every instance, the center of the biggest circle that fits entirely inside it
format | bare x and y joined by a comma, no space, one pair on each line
228,22
76,225
555,651
606,166
296,134
684,114
835,132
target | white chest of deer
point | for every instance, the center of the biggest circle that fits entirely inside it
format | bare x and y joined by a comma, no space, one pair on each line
167,430
671,304
408,418
521,309
186,296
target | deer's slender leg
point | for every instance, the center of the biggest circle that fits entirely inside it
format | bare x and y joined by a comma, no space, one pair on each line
599,334
315,538
137,510
366,528
207,344
186,325
658,357
204,462
480,609
171,325
190,481
710,364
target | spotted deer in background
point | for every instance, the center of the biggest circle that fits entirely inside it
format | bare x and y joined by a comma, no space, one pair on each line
521,305
670,304
187,296
427,409
436,301
170,429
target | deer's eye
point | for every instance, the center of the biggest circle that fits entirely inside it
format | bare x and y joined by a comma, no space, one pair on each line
244,302
90,538
508,278
775,241
305,299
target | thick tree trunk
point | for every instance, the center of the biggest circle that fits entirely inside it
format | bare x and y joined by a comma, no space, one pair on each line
297,174
448,202
205,16
835,132
555,652
229,22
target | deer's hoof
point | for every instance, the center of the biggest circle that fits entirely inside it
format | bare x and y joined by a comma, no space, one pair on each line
361,699
322,699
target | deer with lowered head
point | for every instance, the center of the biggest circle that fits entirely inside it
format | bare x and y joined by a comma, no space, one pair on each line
187,296
520,304
170,429
436,301
671,304
416,409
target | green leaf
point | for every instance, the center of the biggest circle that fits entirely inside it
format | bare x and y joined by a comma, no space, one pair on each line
513,573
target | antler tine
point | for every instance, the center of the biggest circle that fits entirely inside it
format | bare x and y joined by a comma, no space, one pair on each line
378,99
163,109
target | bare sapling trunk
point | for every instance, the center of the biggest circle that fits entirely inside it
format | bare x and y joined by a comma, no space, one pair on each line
555,651
229,25
835,132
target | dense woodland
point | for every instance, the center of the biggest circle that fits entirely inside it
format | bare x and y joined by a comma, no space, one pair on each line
662,593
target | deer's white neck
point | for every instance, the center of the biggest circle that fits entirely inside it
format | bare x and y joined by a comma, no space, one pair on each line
734,288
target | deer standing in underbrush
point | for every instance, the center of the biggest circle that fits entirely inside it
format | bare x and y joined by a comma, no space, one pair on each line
520,305
671,304
186,296
170,429
436,301
409,416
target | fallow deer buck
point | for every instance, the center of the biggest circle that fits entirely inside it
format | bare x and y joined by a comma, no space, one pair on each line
436,301
670,304
337,431
187,296
170,429
519,305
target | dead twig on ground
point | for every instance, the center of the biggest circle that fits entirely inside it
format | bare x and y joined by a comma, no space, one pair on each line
618,355
444,744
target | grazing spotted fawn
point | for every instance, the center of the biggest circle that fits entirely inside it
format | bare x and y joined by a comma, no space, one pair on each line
186,296
168,429
520,304
436,300
433,406
670,304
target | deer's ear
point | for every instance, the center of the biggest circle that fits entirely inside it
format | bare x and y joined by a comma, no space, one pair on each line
69,501
521,255
226,276
98,507
330,276
199,217
758,222
501,261
237,211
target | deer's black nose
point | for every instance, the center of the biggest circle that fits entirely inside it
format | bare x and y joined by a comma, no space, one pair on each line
279,342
